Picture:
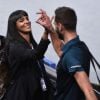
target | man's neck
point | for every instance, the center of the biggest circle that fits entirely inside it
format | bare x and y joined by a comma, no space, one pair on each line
69,36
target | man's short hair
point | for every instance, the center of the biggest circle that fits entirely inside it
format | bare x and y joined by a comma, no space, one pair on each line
67,17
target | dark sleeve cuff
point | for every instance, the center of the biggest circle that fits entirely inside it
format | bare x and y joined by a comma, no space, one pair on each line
45,41
41,48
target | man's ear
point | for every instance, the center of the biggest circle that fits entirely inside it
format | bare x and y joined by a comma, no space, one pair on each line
61,27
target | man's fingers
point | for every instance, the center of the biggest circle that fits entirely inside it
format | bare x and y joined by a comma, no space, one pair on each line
52,18
39,13
44,12
39,22
42,17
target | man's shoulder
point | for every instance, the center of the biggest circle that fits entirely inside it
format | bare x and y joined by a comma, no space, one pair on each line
73,51
74,54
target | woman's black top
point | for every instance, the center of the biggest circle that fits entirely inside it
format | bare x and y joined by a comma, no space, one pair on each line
26,73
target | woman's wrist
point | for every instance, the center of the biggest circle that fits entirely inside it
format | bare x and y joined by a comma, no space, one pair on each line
45,35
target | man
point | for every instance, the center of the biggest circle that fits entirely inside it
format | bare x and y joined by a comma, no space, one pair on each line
74,65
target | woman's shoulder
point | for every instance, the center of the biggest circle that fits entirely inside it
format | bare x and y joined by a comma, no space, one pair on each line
15,45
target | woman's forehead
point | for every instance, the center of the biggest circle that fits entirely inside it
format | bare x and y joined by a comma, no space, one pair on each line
22,17
18,15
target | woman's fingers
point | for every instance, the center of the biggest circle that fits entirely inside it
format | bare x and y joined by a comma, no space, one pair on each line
44,19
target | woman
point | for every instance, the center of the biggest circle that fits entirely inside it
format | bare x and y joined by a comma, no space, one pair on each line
28,76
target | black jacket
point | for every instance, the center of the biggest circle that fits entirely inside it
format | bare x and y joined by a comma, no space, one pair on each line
26,70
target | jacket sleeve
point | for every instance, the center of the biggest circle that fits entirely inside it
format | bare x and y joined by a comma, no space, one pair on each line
21,53
41,48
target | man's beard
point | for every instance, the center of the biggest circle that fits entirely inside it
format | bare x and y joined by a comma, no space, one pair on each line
60,36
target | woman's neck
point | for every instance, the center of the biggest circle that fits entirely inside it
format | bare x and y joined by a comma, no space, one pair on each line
26,37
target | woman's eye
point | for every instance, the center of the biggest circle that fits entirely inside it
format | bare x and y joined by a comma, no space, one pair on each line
21,20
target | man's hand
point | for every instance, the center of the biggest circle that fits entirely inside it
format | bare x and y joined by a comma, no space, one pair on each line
45,21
